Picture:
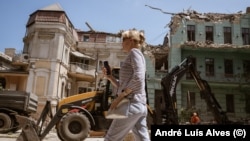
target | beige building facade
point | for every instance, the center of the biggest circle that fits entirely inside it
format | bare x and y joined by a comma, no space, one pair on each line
59,60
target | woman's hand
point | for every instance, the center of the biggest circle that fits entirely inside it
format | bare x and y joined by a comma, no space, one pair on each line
104,71
115,102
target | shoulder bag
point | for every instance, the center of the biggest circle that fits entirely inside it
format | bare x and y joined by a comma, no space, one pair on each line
121,110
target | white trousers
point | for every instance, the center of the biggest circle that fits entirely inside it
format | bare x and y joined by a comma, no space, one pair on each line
137,122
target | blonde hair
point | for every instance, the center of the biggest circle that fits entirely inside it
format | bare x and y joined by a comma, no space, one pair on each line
134,34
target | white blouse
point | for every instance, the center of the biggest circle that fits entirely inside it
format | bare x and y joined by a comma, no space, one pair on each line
132,75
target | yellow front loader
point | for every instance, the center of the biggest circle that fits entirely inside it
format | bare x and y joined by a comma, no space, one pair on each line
75,117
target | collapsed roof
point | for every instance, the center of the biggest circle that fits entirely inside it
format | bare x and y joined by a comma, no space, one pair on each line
202,17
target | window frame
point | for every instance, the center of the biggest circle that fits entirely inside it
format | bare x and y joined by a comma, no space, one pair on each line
227,31
209,30
209,66
191,32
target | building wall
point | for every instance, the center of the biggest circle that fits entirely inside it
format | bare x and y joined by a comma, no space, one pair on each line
48,46
220,84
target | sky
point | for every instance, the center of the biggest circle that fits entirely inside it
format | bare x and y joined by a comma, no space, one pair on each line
108,15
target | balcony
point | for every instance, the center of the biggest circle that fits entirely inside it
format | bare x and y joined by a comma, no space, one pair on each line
82,72
20,60
226,78
102,46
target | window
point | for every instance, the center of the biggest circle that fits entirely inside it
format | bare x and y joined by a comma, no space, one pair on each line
227,35
247,103
66,56
245,36
26,48
85,38
100,65
110,39
209,62
84,64
190,32
2,83
82,90
190,100
62,90
113,39
161,62
228,66
209,33
230,103
188,74
246,68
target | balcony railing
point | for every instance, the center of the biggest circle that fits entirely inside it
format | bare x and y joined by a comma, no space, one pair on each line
223,77
81,68
218,77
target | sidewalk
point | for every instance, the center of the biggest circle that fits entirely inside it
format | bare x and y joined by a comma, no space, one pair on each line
52,136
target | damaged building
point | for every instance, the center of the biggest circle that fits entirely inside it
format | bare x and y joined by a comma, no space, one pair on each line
59,60
220,45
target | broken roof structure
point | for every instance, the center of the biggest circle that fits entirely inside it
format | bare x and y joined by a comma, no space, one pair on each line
192,15
180,20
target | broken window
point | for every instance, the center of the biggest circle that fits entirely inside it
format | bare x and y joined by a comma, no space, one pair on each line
209,62
161,62
209,33
245,36
191,32
227,35
228,66
230,103
188,74
246,68
85,38
190,100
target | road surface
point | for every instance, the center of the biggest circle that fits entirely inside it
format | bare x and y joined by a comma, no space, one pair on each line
52,136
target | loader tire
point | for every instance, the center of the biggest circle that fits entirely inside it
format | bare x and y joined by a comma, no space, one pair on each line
73,127
5,123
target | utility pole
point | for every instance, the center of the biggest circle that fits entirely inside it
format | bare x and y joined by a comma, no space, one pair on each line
97,53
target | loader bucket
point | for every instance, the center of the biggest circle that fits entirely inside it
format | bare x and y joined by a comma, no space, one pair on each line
29,130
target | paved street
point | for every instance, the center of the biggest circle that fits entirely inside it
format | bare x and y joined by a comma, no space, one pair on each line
52,136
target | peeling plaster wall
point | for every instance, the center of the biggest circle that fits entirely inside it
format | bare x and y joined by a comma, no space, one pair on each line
217,49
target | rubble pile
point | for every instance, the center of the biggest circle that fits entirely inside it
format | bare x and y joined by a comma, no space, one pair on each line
199,44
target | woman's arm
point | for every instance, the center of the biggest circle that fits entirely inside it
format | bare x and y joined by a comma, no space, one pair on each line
112,79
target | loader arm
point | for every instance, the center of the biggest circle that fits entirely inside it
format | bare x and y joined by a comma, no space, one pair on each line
219,115
169,84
